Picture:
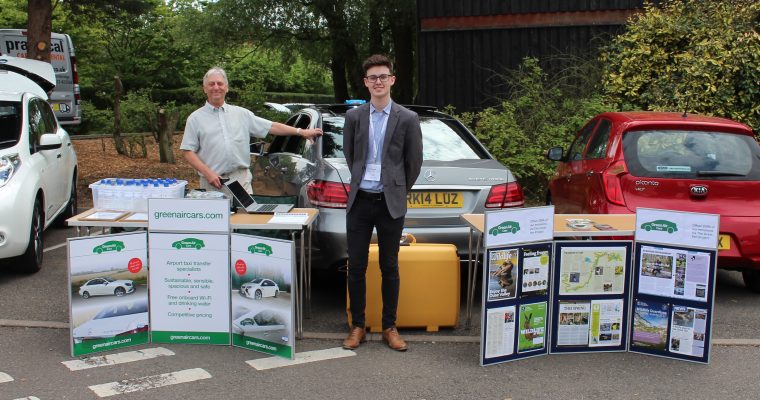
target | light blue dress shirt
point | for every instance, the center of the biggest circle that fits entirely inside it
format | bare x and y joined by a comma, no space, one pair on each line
378,125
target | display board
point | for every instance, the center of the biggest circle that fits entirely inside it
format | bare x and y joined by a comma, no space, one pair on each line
516,276
108,292
263,291
674,284
590,292
189,250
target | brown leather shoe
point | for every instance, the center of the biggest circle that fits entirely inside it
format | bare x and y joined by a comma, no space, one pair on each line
356,336
393,339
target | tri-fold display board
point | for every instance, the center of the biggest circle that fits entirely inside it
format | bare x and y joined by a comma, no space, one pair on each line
651,296
186,280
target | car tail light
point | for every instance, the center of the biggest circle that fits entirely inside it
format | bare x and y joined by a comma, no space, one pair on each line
505,195
327,194
612,186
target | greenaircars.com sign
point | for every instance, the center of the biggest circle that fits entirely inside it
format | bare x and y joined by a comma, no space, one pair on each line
260,248
660,225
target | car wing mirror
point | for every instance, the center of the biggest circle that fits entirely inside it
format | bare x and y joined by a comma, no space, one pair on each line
257,148
555,153
49,141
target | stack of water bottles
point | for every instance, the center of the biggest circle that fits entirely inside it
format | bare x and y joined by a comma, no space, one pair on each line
133,194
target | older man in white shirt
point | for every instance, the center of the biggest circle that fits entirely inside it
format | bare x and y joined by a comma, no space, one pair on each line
217,136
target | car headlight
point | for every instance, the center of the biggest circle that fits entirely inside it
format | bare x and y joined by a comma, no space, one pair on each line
8,166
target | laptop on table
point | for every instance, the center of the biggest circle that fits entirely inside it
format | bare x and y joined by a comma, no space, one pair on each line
250,205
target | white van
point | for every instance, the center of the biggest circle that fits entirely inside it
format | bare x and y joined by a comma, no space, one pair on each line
65,98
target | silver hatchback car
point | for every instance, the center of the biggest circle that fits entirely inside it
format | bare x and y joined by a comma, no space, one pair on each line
458,176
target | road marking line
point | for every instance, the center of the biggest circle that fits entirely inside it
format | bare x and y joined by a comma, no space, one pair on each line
301,358
149,382
5,377
51,248
28,398
119,358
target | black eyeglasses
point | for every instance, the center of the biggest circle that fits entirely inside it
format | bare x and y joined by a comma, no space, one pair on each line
383,78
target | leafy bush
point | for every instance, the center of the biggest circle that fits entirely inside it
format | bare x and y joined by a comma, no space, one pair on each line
689,55
538,114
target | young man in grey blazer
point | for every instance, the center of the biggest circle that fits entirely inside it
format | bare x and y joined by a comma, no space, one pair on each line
382,142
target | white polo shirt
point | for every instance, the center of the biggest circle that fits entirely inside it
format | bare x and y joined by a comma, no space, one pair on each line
222,136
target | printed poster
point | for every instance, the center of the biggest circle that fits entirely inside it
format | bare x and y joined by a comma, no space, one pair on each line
535,271
500,332
674,273
606,323
687,332
263,294
650,324
532,322
592,270
502,274
573,328
108,280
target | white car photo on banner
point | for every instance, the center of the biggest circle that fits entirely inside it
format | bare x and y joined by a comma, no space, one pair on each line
108,292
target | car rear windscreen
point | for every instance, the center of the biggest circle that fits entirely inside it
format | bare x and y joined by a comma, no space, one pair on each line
692,155
442,140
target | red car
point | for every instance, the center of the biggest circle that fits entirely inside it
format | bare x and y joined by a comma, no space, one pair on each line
623,160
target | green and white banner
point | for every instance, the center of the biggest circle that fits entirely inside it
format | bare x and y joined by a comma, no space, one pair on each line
263,294
189,286
108,292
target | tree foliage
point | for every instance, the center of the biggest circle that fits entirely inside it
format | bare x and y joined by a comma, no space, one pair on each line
690,55
538,114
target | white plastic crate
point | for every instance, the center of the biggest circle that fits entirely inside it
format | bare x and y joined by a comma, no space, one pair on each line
133,194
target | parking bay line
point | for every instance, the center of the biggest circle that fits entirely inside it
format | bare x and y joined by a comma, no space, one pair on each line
149,382
119,358
301,358
5,377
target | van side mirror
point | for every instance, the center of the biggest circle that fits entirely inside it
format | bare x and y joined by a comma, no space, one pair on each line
257,148
555,154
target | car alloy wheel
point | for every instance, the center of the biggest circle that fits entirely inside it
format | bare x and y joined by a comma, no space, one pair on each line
119,291
86,295
257,295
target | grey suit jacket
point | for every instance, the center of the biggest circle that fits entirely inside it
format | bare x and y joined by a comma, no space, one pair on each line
401,154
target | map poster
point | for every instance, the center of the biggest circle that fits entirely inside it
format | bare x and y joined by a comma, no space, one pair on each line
650,325
532,325
592,270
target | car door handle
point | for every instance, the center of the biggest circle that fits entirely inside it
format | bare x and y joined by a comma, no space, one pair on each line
59,155
590,173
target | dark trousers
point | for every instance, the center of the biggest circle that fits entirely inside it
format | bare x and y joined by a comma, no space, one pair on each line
370,211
